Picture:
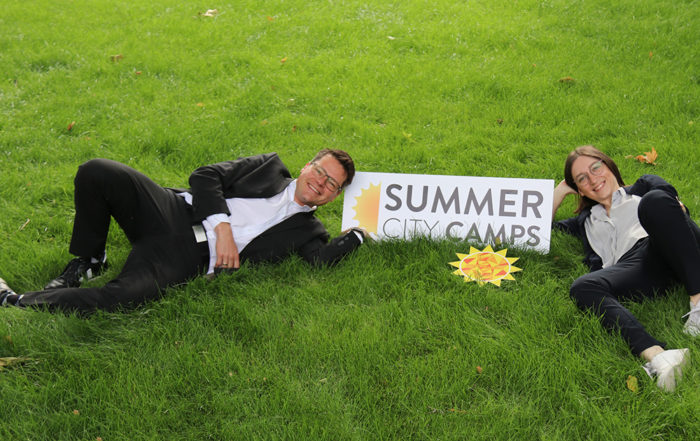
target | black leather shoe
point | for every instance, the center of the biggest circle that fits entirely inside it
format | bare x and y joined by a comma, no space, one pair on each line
77,271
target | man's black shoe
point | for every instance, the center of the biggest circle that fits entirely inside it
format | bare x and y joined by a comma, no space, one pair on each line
77,271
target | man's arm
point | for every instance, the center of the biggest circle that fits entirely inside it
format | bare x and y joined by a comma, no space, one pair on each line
254,176
211,185
319,253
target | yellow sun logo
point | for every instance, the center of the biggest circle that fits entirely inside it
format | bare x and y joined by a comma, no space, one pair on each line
485,266
367,208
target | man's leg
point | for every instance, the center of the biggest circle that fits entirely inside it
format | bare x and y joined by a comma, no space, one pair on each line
153,264
105,189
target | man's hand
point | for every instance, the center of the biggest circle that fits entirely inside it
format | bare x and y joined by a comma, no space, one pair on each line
226,249
361,231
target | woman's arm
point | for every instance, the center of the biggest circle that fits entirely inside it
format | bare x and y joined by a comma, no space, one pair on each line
561,191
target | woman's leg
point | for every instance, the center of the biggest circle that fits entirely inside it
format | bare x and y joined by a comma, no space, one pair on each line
636,276
673,236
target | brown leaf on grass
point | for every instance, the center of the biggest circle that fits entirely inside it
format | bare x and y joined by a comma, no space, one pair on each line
70,126
76,412
567,80
116,58
24,226
200,104
211,13
12,361
647,157
632,383
479,369
283,60
457,410
270,18
650,54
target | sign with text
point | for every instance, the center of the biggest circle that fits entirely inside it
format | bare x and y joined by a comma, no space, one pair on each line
477,209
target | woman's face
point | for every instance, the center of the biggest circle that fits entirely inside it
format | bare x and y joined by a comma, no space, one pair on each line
594,179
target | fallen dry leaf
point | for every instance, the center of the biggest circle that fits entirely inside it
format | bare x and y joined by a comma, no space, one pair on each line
650,54
283,60
24,225
70,126
647,157
270,18
200,104
76,412
12,361
211,13
116,58
632,383
567,80
479,369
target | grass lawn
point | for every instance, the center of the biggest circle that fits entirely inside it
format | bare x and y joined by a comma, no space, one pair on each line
389,344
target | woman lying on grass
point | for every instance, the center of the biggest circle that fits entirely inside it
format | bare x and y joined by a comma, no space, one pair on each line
639,240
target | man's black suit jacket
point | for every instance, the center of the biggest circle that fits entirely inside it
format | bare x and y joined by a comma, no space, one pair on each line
264,176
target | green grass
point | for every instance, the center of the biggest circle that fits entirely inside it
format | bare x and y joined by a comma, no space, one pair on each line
386,345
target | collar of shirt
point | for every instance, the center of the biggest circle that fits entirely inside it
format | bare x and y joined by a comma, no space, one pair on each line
620,196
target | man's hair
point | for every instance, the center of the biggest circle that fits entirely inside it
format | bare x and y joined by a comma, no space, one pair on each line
588,150
344,159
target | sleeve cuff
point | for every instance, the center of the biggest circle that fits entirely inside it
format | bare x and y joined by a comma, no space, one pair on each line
216,219
359,235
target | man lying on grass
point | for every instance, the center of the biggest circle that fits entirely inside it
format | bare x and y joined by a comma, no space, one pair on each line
248,209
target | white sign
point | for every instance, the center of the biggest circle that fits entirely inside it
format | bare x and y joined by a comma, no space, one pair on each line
476,209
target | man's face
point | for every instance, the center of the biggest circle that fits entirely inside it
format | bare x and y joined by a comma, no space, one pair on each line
320,182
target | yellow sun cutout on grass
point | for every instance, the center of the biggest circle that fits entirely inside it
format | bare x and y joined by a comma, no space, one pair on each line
485,266
367,208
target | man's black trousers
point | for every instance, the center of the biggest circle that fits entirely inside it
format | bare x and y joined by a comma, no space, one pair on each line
157,222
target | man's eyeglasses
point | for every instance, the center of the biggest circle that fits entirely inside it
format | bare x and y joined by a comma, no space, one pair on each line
331,184
595,169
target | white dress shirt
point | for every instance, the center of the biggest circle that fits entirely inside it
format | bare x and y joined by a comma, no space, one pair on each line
250,217
611,236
